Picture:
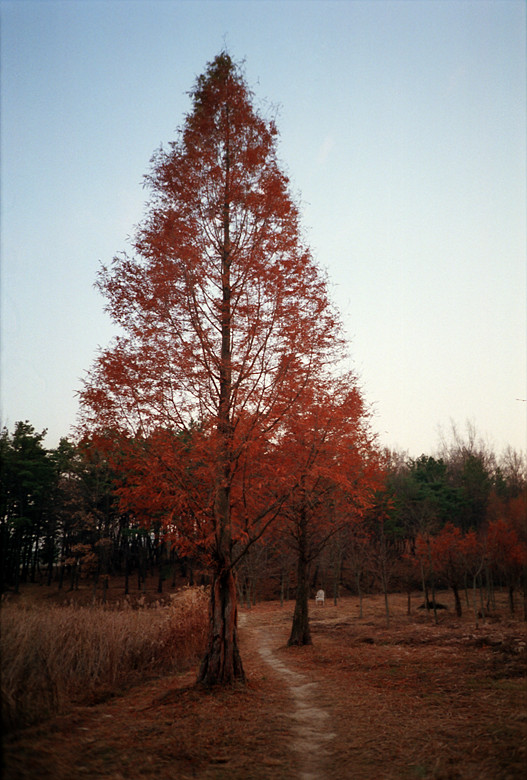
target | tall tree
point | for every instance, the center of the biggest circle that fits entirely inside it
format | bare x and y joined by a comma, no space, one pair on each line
224,318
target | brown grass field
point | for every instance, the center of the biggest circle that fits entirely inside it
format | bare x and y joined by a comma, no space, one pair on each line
364,702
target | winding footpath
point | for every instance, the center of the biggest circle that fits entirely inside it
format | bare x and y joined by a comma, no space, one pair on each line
311,724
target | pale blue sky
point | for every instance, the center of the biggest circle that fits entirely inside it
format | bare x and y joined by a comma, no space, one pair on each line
403,127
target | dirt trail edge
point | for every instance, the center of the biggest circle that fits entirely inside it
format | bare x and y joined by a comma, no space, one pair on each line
310,722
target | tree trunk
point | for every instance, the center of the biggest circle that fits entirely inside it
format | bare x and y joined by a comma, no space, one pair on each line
222,662
34,561
336,580
72,576
467,601
457,600
432,578
94,588
300,633
50,543
359,591
492,594
386,605
474,602
425,590
482,605
511,599
126,570
384,575
104,588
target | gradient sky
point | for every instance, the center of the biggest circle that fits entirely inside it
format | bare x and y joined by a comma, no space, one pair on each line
403,129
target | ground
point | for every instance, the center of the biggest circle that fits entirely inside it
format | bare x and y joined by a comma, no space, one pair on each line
416,700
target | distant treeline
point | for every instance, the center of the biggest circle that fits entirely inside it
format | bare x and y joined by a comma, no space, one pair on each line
456,519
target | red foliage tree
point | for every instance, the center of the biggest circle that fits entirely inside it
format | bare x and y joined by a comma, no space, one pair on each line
334,468
225,318
447,553
506,553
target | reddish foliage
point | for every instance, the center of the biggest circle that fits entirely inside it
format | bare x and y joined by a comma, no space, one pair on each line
505,551
448,553
334,470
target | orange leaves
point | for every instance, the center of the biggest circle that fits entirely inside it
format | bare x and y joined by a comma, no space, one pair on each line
452,553
333,468
448,548
505,550
208,205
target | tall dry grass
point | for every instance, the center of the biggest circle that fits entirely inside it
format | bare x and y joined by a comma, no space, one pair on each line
53,657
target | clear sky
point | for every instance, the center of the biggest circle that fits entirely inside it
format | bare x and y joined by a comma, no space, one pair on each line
403,127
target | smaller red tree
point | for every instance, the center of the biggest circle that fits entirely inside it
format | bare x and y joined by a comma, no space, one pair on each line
329,454
449,560
506,554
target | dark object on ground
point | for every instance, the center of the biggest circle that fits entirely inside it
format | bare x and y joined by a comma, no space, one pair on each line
431,605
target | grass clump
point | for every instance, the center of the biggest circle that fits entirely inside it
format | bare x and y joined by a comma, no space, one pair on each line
53,657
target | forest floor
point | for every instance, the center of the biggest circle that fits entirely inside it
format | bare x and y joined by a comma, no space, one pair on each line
364,702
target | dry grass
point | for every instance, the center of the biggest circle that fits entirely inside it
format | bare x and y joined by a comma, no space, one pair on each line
54,656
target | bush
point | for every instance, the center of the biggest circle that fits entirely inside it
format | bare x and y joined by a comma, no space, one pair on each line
53,657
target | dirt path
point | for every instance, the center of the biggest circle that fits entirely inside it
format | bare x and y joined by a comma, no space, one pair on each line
310,723
311,729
